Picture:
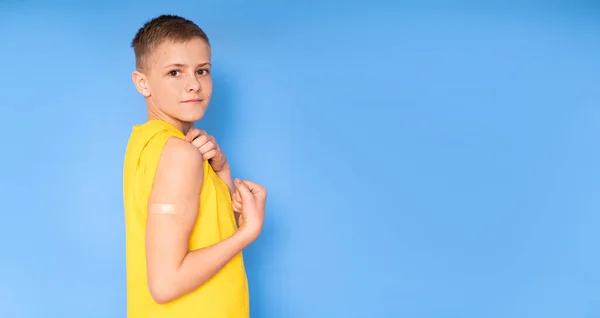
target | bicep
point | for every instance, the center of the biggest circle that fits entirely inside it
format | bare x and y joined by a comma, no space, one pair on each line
172,208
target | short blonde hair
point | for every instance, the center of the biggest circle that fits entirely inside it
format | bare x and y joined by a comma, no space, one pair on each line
160,29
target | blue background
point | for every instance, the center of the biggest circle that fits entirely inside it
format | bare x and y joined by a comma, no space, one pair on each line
425,159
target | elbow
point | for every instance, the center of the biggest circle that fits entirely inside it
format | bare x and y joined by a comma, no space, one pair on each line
160,298
161,293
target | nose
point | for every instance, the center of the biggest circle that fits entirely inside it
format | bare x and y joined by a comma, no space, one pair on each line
193,85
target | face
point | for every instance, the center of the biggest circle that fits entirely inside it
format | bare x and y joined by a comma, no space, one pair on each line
176,80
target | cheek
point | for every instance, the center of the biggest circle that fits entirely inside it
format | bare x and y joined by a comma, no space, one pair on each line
175,89
207,85
166,94
170,89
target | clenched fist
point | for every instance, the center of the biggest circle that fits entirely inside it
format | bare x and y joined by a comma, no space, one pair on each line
208,147
250,199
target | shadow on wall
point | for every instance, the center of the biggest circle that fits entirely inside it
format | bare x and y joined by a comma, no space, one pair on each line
220,121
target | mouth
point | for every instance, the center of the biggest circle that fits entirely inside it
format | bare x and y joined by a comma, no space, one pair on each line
193,101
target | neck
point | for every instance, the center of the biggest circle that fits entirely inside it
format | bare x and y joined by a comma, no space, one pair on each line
182,126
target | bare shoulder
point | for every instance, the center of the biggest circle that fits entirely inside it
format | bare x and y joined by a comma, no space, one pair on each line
179,173
180,153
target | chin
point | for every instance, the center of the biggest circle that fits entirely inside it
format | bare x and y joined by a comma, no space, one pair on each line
192,117
190,113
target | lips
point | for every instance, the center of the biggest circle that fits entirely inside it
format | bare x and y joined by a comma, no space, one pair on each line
192,101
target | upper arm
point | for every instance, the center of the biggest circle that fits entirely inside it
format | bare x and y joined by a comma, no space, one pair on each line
177,184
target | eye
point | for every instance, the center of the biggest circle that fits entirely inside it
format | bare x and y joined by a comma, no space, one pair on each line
173,73
202,72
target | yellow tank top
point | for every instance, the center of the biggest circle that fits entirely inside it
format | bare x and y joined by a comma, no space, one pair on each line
225,295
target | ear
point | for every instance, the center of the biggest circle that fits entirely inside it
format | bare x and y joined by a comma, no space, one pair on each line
141,83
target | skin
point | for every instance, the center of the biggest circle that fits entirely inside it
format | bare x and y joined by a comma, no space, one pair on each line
176,83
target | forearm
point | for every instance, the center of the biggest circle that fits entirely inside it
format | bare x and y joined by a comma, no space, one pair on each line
225,175
198,266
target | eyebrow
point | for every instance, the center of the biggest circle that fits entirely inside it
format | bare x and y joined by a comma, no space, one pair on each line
185,65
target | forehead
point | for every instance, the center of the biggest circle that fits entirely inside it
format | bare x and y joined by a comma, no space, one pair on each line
194,51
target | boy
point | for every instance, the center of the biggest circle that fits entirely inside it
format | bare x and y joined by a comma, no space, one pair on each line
183,240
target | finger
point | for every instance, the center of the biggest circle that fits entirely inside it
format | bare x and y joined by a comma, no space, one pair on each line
197,133
236,201
206,147
200,140
237,197
210,154
237,207
190,134
254,187
193,134
245,193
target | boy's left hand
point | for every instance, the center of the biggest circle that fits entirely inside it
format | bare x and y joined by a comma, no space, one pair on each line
237,202
208,147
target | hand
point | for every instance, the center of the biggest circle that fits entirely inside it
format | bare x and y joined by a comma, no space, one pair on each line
250,199
208,147
237,201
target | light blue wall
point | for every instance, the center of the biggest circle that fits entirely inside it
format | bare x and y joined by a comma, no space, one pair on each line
428,160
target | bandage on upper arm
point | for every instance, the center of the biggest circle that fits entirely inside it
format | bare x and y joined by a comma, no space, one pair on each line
162,208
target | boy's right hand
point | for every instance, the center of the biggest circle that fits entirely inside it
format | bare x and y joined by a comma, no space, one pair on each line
253,197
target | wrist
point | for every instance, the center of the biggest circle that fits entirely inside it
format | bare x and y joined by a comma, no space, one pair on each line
226,167
246,235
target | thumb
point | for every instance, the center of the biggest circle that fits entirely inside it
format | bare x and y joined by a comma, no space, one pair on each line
244,191
255,188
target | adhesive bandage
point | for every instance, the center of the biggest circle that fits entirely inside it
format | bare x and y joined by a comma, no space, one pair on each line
162,208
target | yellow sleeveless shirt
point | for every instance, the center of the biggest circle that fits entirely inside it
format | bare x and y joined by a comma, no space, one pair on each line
225,295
